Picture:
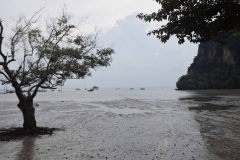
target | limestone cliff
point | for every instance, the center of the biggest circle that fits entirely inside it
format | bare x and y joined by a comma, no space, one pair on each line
215,66
208,50
228,55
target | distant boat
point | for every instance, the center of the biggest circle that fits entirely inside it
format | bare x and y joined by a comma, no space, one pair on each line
95,88
131,88
78,89
142,88
91,90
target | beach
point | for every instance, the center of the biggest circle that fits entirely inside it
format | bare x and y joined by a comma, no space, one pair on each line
128,124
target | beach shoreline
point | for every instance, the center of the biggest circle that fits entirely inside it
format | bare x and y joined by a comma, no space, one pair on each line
134,126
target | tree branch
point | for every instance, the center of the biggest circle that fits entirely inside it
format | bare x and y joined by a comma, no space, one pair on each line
1,40
5,75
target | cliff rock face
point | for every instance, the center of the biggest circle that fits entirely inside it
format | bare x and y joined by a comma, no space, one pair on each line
228,55
208,50
215,66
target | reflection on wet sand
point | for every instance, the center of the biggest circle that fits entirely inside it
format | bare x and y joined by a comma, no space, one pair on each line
28,149
212,107
221,132
219,122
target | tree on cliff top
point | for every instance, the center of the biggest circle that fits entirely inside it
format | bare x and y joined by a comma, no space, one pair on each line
46,58
195,20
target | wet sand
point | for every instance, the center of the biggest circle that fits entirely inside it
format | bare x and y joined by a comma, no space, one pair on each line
151,124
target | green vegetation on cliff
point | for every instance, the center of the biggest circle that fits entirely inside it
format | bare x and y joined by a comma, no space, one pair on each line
211,74
215,67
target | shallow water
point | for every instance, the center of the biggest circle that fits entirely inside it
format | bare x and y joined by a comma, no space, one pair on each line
128,124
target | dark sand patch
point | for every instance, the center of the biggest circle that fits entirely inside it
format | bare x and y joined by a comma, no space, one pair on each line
19,133
212,107
201,98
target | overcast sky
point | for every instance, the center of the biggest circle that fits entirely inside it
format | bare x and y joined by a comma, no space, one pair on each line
140,60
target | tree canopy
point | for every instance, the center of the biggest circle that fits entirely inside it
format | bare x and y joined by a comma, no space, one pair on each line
48,55
195,20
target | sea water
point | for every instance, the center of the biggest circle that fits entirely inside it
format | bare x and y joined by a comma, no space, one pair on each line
103,94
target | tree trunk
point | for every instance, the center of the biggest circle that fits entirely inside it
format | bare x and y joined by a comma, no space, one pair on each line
28,111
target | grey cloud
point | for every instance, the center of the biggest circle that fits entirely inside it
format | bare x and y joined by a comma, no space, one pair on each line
136,63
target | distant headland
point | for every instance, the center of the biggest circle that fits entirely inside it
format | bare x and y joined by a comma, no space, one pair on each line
216,66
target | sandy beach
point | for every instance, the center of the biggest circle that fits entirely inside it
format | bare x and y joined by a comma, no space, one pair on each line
125,124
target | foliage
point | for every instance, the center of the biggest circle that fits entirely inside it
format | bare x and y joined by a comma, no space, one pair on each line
195,20
47,58
210,69
211,74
